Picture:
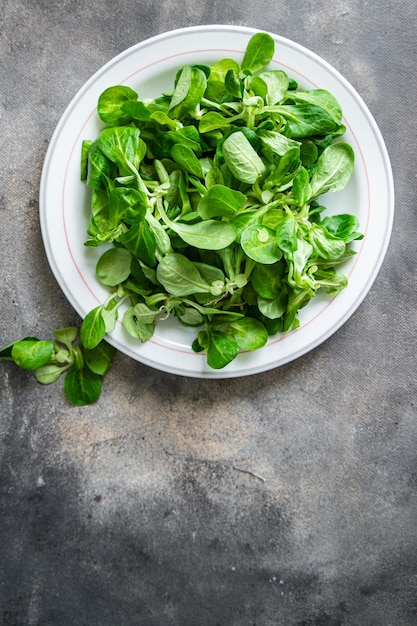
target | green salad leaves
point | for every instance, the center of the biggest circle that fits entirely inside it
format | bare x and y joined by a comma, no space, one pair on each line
209,198
82,369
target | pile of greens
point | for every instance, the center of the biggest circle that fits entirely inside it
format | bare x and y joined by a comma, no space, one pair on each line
209,199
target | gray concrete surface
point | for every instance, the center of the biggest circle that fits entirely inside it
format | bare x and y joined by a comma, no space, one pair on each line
132,511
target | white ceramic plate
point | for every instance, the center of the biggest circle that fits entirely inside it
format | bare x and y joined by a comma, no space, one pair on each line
149,68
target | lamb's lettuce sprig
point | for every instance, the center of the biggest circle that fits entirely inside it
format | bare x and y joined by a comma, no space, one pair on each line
81,368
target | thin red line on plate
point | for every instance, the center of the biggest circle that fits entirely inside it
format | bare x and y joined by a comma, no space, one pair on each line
292,71
63,205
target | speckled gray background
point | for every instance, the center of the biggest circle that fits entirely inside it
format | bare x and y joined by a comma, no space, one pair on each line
131,511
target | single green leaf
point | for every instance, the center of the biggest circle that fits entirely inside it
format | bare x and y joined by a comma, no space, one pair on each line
343,226
273,308
189,316
207,235
187,160
222,349
249,333
326,245
277,85
275,144
110,104
179,276
110,316
67,336
241,158
139,240
99,359
31,354
305,119
82,386
321,98
93,328
126,204
308,152
49,373
135,110
232,83
212,121
259,52
189,90
162,118
267,279
220,201
257,86
85,149
301,188
139,321
287,234
113,267
334,169
259,243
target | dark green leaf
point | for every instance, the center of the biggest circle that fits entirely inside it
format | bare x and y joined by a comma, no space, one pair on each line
267,279
222,349
322,99
139,240
136,110
82,386
232,83
85,148
188,91
343,226
301,188
249,333
93,328
99,359
305,120
113,267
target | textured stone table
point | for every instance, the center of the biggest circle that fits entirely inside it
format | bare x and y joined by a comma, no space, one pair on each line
136,510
